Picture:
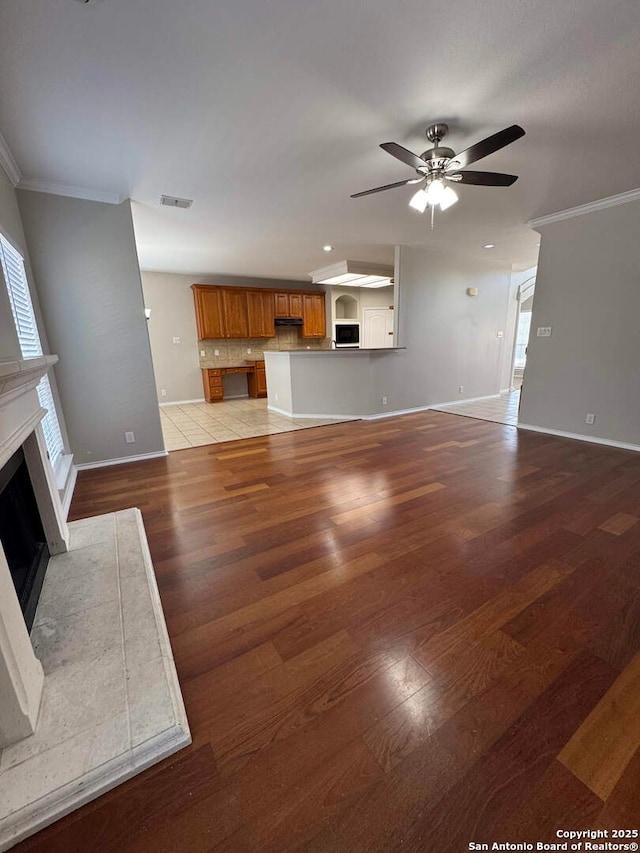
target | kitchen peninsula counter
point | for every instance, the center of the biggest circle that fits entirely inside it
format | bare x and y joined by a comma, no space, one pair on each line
337,383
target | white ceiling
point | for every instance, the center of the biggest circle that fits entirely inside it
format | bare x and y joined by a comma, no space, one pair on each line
269,113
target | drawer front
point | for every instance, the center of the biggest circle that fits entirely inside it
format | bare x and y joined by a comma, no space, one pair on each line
214,372
215,382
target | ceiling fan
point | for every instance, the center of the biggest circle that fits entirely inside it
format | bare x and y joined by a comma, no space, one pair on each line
440,166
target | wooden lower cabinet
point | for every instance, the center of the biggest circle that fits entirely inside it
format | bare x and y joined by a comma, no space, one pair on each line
212,382
257,381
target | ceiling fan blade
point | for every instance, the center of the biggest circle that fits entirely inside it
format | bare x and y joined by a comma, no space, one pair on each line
385,187
487,146
483,179
403,154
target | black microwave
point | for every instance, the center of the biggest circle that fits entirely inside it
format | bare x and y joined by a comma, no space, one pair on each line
347,334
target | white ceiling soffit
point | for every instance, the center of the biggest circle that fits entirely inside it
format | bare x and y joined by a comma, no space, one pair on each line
269,115
353,273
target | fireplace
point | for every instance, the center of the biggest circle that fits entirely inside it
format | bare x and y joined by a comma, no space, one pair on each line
22,535
32,523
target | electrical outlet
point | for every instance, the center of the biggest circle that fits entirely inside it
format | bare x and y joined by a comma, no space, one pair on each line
460,389
543,332
176,340
590,418
499,334
163,392
130,437
384,401
203,353
248,350
216,352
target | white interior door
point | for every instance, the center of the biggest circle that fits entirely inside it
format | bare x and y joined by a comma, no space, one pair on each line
378,328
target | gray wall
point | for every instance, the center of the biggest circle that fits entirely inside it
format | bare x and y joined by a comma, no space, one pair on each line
84,259
451,338
588,291
169,295
11,228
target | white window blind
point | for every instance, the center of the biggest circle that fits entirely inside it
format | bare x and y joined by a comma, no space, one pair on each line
30,346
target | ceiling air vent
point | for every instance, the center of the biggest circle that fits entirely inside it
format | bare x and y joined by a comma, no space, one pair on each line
174,201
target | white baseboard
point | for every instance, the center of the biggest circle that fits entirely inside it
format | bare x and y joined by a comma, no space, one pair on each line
592,439
308,416
464,400
67,494
390,414
105,463
395,413
180,402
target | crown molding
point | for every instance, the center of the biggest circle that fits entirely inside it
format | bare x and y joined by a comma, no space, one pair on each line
591,207
69,192
8,162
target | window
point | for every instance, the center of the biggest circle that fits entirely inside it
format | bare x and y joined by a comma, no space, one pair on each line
30,346
522,339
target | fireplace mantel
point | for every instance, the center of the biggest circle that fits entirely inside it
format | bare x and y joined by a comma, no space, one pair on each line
21,675
18,376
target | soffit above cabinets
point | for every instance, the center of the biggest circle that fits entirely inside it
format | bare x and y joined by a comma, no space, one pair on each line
354,274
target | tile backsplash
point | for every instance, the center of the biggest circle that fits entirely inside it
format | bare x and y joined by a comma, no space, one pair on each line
234,352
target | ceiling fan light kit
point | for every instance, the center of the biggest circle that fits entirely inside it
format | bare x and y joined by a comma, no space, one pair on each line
440,166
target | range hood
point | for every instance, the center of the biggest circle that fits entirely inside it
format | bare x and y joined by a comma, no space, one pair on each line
288,321
354,274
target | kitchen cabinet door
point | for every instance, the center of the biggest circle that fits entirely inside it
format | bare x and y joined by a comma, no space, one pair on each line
257,380
260,314
282,304
209,317
236,322
313,316
295,305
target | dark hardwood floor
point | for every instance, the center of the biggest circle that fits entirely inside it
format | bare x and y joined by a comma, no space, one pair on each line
407,634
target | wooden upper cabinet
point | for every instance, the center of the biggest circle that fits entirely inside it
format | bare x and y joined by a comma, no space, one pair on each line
260,314
234,305
295,305
282,304
239,312
288,304
313,316
209,318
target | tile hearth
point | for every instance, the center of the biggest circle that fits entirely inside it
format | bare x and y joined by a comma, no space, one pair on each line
111,704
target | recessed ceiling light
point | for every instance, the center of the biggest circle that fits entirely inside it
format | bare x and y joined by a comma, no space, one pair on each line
489,246
327,248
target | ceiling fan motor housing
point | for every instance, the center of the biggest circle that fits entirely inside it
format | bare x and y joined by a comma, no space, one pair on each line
437,131
437,158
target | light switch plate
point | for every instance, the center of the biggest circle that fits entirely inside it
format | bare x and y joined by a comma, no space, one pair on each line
176,340
544,332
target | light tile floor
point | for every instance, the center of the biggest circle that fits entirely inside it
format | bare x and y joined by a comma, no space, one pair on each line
502,409
194,424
